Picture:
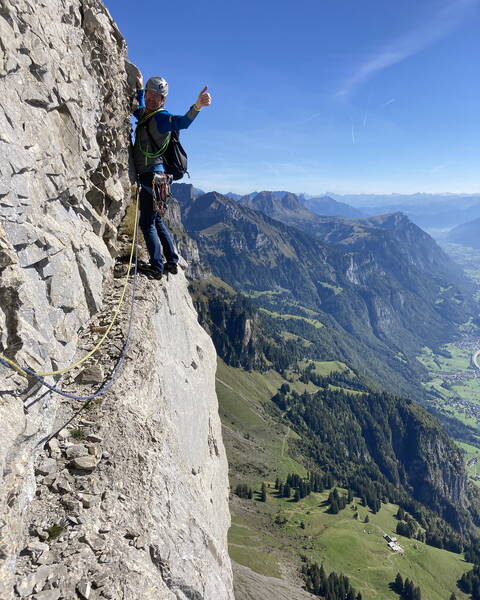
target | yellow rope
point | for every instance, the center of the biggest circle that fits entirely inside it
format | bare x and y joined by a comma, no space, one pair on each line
18,368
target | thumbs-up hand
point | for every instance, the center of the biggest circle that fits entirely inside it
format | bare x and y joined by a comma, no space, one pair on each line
204,98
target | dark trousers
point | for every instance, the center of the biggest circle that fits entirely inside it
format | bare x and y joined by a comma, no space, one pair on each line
155,233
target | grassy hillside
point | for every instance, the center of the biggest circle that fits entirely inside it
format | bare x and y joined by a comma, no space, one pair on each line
342,543
271,537
257,445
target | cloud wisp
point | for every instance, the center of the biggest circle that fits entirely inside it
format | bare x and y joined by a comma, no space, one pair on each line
388,102
440,25
438,168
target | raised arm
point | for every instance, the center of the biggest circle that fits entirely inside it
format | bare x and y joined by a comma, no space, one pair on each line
140,97
167,122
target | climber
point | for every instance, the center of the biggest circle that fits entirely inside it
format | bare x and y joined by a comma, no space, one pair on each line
152,137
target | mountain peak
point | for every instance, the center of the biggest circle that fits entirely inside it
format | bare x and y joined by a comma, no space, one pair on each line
396,220
291,202
273,204
326,206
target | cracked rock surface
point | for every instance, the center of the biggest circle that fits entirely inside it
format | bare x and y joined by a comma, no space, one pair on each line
131,495
128,499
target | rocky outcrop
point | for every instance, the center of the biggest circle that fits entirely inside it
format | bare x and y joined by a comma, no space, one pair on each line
131,497
63,170
130,500
232,322
251,586
187,246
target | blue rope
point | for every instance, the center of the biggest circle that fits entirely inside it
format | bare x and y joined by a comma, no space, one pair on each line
118,367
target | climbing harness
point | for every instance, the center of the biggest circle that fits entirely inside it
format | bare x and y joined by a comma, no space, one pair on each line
151,155
161,192
170,153
39,376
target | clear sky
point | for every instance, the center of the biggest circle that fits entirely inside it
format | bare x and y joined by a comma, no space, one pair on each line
347,96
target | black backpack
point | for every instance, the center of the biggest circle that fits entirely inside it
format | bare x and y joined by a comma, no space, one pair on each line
175,157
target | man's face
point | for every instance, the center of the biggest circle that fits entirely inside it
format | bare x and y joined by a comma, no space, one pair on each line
153,100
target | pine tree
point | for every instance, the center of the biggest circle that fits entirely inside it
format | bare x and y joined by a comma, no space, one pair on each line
367,519
453,597
398,584
263,493
304,489
323,578
334,508
408,590
329,481
296,496
243,491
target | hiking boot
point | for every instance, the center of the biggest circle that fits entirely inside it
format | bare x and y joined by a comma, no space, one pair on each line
171,268
149,271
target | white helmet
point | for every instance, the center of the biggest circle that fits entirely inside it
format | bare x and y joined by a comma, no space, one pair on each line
158,85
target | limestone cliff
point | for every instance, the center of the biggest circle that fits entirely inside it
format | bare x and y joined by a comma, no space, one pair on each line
129,500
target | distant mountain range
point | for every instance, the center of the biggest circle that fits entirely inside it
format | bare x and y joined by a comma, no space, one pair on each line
392,200
293,291
434,213
381,287
467,234
429,211
281,200
329,207
433,216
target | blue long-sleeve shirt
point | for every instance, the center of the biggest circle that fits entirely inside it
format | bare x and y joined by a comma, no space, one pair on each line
164,120
154,135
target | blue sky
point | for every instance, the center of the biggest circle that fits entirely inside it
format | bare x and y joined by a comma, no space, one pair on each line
347,96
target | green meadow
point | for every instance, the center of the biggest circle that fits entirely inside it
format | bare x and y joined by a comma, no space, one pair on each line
280,531
272,537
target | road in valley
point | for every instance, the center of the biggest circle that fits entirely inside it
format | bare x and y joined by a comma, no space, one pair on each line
475,359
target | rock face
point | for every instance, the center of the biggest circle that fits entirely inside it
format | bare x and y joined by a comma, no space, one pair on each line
63,170
131,499
251,586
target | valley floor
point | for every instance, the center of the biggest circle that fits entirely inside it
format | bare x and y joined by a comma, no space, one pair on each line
270,538
341,543
454,386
